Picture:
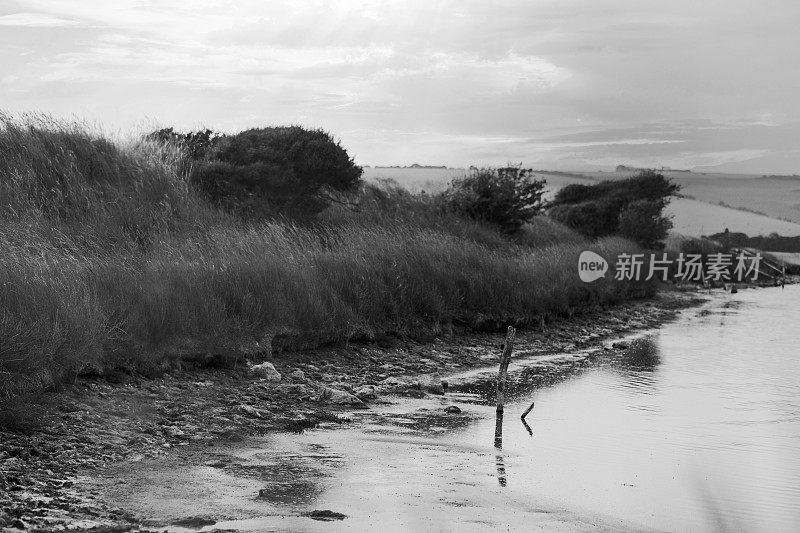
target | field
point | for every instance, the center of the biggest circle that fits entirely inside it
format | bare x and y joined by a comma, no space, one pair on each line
773,196
415,179
787,257
694,218
712,202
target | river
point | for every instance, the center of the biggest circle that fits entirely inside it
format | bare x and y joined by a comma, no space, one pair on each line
698,429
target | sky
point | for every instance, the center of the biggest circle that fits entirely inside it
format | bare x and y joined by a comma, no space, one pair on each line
555,84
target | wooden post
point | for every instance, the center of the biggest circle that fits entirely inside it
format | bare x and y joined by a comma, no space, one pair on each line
498,430
504,360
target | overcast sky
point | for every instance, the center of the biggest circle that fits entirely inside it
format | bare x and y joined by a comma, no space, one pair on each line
559,83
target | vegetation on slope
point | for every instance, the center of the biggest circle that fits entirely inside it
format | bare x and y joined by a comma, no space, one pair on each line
110,258
631,207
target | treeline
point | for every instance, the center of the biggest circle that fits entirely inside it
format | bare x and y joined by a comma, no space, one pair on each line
772,242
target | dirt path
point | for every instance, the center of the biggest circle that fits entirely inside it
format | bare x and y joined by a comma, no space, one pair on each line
196,417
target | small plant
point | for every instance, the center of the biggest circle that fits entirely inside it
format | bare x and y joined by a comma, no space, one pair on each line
506,197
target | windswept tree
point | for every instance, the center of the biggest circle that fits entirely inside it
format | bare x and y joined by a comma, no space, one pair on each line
506,197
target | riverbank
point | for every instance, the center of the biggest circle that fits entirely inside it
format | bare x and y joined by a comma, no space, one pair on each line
93,424
115,260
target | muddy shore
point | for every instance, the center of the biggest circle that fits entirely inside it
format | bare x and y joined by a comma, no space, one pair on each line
94,424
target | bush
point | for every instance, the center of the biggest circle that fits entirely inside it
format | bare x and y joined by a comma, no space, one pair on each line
277,171
642,222
631,207
198,144
586,218
506,197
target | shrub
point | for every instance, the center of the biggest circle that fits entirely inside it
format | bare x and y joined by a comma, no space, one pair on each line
585,218
198,144
631,207
277,171
642,222
646,185
506,197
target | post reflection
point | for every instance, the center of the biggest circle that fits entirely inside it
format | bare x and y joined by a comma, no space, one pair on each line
498,444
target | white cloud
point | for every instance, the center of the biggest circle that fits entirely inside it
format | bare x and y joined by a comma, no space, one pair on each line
513,76
35,20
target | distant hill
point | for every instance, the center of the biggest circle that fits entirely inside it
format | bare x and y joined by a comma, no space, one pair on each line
415,165
785,165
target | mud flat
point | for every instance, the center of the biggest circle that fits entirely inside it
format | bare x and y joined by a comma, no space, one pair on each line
185,451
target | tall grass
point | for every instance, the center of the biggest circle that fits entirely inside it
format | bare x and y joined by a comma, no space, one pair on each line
109,259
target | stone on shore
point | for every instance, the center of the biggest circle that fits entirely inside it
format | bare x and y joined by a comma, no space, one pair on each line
252,411
433,385
266,371
367,392
338,397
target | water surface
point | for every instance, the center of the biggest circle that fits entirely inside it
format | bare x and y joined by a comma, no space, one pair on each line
697,429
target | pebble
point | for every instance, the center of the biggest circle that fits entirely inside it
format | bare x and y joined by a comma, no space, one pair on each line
367,392
339,397
267,371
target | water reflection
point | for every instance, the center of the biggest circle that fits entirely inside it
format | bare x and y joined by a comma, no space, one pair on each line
643,354
501,470
695,428
522,382
422,420
714,397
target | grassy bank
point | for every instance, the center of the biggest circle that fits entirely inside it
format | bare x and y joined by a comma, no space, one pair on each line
109,259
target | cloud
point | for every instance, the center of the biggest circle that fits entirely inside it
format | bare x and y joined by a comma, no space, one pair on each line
35,20
457,79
